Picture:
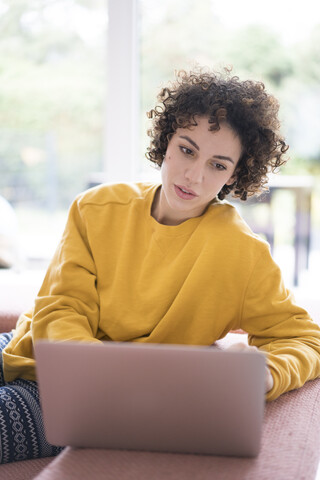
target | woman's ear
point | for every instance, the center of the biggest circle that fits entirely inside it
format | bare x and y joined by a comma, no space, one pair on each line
231,180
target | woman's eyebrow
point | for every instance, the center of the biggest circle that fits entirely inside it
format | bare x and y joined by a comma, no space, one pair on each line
190,140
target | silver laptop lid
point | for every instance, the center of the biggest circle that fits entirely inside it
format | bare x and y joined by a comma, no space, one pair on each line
151,397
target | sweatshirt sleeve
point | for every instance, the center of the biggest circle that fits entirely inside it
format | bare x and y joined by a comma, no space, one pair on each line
278,326
67,306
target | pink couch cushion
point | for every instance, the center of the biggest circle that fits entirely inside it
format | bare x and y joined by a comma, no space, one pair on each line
26,470
290,449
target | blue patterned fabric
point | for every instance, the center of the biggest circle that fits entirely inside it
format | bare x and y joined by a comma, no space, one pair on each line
21,428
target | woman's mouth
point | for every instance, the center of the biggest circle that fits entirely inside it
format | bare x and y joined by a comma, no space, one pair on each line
185,193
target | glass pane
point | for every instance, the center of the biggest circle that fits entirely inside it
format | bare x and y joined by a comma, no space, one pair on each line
53,82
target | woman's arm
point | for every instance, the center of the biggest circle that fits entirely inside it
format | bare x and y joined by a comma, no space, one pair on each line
279,327
67,306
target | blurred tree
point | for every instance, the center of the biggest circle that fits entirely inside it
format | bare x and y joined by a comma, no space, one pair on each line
181,35
258,51
308,58
52,78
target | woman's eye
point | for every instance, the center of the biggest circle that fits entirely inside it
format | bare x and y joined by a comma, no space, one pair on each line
186,150
218,166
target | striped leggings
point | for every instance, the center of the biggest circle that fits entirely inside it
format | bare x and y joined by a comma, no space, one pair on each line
21,428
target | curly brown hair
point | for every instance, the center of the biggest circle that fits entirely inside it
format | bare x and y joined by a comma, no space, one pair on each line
245,105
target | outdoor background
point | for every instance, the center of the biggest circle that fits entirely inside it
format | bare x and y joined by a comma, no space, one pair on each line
53,83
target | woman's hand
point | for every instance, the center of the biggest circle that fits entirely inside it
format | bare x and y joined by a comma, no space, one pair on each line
240,346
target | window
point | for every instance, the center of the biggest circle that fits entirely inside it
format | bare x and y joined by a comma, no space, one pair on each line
77,78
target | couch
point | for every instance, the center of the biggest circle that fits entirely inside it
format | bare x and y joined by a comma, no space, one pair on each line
290,449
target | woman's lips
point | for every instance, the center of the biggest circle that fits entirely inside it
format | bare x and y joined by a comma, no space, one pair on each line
184,193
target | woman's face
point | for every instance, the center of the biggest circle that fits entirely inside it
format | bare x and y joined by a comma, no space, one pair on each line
197,164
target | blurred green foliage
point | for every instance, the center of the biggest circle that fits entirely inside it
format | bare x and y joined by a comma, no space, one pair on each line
52,98
53,85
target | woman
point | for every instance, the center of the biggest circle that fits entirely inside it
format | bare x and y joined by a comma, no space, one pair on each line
172,263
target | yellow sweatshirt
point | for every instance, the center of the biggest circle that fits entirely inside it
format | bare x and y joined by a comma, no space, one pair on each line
120,275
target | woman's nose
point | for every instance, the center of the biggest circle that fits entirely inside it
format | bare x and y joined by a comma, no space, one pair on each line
194,173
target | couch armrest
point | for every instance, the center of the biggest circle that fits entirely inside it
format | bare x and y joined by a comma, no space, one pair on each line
8,320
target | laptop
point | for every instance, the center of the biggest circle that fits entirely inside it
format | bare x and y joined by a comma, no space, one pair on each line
166,398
